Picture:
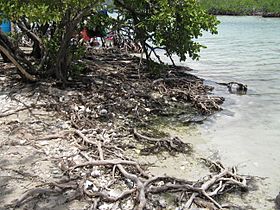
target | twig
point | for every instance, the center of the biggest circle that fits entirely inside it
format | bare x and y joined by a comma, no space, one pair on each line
13,112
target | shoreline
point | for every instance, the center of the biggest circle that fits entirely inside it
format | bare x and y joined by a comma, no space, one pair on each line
265,8
264,15
95,120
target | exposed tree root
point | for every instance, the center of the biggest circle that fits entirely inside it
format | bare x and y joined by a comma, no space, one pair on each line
104,110
172,145
142,185
202,193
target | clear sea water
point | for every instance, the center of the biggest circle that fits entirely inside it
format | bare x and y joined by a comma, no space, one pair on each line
247,132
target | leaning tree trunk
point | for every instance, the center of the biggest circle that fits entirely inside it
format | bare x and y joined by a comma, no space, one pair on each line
17,57
38,46
36,52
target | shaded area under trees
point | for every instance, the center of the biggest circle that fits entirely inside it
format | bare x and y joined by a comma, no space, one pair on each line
53,28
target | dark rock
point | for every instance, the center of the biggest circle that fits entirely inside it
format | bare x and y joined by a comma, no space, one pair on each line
237,88
277,202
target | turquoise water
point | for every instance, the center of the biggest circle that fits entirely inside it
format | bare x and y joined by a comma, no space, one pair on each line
247,132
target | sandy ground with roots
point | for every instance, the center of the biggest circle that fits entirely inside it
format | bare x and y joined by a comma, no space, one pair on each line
94,145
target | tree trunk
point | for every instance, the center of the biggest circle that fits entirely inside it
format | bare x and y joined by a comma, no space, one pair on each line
5,58
22,70
36,52
38,49
16,56
62,65
63,62
38,46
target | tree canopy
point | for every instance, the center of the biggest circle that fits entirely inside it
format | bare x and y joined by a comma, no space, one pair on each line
156,24
169,25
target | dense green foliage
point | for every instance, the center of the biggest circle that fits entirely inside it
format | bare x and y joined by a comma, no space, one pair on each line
50,25
169,25
242,7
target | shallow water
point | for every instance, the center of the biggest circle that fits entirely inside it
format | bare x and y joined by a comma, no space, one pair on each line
247,132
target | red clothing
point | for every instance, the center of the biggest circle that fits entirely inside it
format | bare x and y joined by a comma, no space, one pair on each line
85,35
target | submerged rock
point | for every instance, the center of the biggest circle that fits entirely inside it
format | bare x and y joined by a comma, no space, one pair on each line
188,119
237,88
277,202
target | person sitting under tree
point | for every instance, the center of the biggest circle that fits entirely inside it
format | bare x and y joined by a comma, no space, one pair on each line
95,27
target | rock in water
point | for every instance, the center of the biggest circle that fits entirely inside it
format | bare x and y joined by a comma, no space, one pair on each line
277,202
237,88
